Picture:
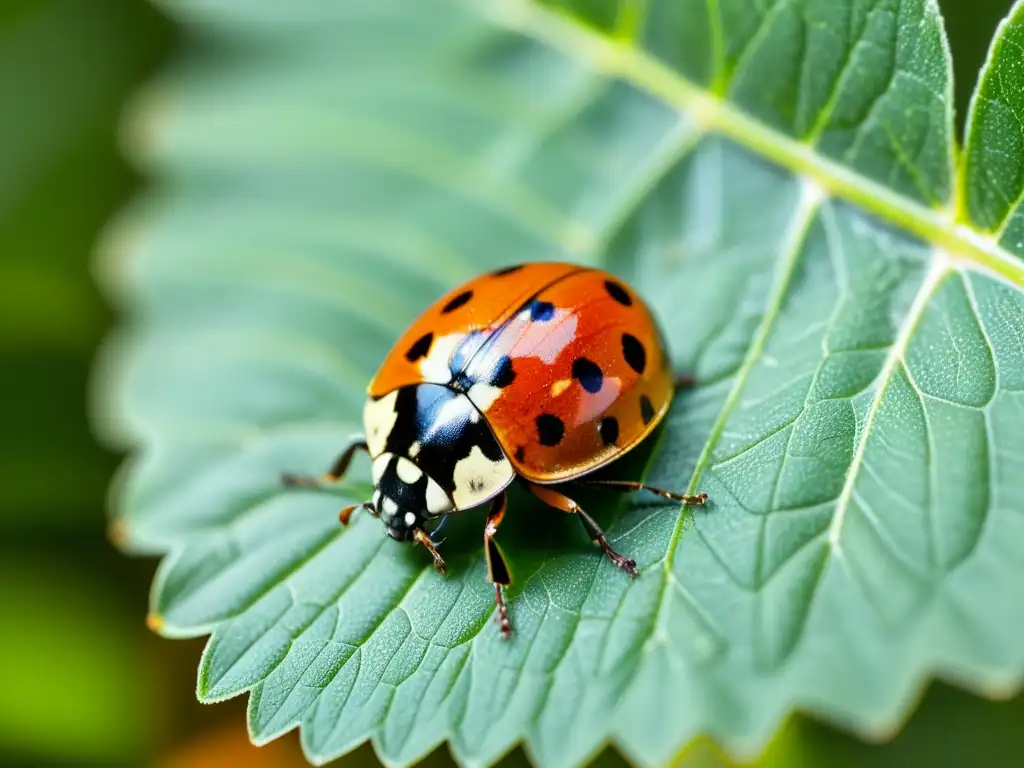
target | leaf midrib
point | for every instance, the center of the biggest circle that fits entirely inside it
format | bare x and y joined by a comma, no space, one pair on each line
963,245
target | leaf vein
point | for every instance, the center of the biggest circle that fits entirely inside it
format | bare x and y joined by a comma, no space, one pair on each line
929,285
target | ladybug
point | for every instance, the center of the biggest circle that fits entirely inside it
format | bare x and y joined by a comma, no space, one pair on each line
538,373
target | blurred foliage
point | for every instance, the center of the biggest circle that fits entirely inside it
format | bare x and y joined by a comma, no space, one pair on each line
81,682
65,69
84,681
53,660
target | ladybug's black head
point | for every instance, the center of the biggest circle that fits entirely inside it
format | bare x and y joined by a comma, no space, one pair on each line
399,522
405,497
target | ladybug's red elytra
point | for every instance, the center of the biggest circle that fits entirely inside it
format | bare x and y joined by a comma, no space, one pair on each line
540,372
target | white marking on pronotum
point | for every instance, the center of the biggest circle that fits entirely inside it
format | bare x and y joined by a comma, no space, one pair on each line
410,518
408,472
477,478
379,418
414,449
437,500
379,465
389,508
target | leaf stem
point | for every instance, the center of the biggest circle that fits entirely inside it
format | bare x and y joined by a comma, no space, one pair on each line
963,245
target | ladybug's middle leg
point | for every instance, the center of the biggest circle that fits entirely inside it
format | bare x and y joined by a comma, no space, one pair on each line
684,381
560,501
497,570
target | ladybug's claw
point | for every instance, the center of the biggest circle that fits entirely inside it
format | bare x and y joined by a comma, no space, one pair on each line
625,563
292,480
306,481
684,381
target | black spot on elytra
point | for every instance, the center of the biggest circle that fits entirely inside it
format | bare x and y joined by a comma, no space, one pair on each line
503,373
646,409
550,429
634,352
608,429
541,311
588,374
506,270
457,302
520,454
618,293
420,348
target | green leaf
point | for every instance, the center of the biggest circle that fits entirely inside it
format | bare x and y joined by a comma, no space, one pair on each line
779,185
993,176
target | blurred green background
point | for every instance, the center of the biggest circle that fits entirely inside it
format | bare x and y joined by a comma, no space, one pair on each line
84,682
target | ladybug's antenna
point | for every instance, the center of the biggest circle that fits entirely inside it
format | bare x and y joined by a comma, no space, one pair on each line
438,528
346,514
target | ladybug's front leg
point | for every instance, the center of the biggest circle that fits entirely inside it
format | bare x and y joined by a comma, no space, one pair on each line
422,537
560,501
333,475
497,570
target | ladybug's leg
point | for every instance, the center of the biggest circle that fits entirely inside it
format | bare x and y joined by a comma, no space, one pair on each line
628,485
422,537
560,501
346,514
334,474
497,570
684,381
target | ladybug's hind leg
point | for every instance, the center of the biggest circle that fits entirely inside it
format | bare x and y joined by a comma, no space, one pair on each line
629,485
560,501
497,570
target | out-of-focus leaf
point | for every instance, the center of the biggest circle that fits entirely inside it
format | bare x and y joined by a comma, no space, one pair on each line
778,182
950,729
65,653
65,67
